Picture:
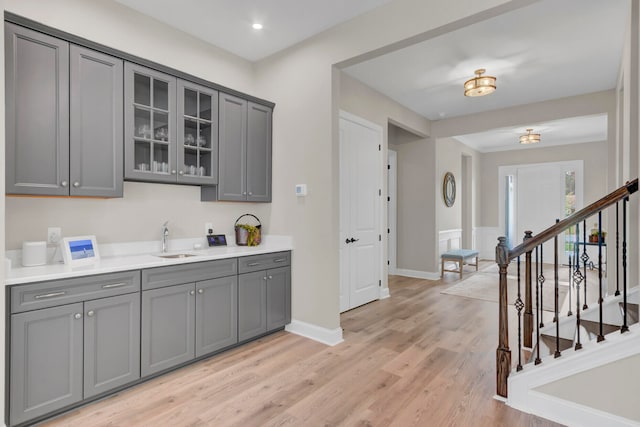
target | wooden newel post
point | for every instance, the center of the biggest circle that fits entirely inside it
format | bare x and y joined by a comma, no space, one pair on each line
528,297
503,354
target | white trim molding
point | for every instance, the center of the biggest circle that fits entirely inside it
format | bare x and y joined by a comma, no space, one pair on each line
449,239
418,274
384,293
326,336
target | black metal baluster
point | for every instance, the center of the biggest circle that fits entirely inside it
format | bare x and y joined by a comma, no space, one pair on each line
585,259
617,251
538,316
570,313
519,307
577,279
557,280
541,281
624,328
600,300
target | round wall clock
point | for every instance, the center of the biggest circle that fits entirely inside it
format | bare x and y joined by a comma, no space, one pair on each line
449,189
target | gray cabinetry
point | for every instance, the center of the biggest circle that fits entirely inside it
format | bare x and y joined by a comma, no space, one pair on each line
64,117
168,327
150,125
245,150
46,361
252,305
96,138
259,120
197,134
111,343
216,314
278,297
37,113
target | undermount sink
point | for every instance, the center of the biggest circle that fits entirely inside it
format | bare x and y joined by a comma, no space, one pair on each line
175,255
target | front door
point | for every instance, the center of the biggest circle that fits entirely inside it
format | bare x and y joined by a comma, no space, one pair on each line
360,211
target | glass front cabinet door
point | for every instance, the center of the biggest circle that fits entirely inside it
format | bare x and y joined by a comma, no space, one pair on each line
197,134
150,125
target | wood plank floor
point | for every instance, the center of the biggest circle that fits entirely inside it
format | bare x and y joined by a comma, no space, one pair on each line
418,358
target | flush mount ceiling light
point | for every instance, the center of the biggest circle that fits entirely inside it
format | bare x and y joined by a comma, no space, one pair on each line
530,138
257,26
480,85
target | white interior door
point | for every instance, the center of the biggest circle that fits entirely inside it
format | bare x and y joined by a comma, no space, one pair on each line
360,213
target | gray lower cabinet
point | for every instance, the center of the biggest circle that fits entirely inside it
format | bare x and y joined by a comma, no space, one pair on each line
46,361
37,113
264,301
245,150
168,327
111,343
216,314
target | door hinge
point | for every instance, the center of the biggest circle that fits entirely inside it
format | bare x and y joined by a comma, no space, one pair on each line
388,166
388,262
379,147
388,199
380,192
380,237
380,283
388,230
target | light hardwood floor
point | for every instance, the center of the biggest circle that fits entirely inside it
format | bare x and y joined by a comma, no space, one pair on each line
418,358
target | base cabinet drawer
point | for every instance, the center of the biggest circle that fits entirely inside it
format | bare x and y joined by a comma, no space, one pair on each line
46,361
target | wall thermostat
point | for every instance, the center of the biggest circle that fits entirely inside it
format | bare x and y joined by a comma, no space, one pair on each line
301,190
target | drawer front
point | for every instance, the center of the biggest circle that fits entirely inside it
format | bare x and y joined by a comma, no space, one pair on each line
153,278
58,292
252,263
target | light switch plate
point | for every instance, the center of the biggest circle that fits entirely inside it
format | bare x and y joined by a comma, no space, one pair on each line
301,190
54,234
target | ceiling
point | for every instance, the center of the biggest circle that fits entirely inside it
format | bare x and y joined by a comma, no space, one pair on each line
227,23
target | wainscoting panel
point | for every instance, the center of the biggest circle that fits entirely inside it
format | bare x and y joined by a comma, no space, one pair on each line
449,239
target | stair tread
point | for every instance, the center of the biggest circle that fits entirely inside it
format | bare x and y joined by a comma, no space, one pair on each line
550,342
593,328
632,312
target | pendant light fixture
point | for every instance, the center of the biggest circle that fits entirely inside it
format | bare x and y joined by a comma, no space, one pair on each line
480,85
530,138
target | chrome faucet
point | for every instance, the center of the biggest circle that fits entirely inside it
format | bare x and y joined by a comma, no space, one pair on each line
165,235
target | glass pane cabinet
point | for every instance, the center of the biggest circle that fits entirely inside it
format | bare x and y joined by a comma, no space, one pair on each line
150,117
197,134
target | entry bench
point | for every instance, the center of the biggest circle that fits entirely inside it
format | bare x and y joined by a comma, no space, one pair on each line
460,257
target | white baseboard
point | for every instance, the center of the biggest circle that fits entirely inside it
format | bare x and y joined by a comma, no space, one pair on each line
317,333
417,274
384,293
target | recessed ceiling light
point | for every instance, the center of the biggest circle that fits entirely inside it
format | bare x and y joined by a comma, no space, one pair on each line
257,26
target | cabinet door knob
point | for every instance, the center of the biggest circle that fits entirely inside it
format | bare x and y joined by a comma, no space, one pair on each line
173,171
264,278
181,173
64,183
250,193
76,184
270,277
90,313
201,291
77,316
244,193
192,292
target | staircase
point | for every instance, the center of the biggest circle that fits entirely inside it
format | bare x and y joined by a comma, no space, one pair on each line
557,351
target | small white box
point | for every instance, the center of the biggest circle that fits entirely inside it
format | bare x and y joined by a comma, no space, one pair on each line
301,190
34,253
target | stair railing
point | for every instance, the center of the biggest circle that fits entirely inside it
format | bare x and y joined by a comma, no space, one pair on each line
579,262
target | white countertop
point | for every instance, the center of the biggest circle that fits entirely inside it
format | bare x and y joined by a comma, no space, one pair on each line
115,263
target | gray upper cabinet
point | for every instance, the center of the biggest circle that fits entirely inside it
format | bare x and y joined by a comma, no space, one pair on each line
37,113
232,179
168,327
150,125
46,361
111,343
216,314
259,121
197,134
245,150
96,138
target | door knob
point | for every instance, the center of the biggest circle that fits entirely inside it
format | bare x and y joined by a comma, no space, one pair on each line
77,316
76,184
90,313
63,183
200,291
192,292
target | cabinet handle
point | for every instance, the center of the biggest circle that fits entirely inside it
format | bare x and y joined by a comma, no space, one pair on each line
51,295
173,171
192,292
270,277
264,278
77,316
181,173
64,183
76,184
244,193
250,193
114,285
279,260
253,264
90,313
201,291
